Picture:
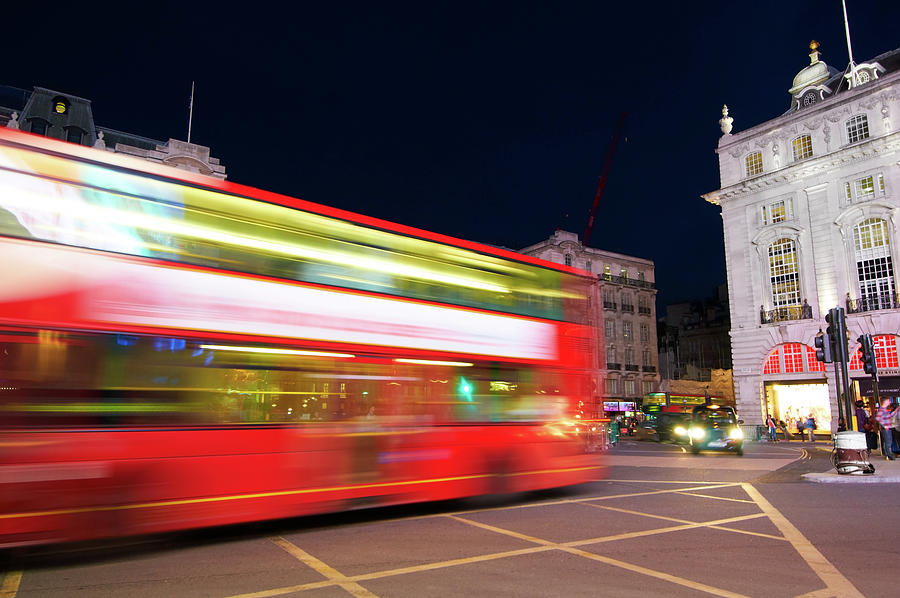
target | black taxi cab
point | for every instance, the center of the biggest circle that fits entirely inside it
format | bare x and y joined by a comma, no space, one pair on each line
715,428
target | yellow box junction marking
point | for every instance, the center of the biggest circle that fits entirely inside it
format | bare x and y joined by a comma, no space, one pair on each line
834,580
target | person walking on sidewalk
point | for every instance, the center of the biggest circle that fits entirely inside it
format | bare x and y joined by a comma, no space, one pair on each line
811,427
770,424
883,417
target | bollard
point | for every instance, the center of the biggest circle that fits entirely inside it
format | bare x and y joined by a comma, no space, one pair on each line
851,454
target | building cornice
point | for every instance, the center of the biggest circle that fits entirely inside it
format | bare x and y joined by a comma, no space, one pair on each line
811,117
858,152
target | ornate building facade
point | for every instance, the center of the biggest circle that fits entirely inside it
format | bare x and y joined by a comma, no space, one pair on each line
810,203
70,118
623,315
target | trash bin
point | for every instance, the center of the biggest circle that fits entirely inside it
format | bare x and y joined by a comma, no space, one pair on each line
613,433
850,454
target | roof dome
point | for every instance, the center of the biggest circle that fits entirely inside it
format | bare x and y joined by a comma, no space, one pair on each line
815,74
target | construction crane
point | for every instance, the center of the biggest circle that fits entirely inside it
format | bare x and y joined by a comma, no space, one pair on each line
603,176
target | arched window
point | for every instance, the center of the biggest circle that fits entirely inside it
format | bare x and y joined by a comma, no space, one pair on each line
857,128
885,353
784,278
788,359
802,147
753,163
874,268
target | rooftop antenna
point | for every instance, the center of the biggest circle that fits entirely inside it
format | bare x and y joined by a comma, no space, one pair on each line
191,109
852,66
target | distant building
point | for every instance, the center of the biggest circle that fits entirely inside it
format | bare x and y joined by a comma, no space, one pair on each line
70,118
810,206
694,339
623,313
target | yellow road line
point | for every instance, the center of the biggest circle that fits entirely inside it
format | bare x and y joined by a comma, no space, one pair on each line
694,585
10,586
323,569
568,547
834,581
750,502
395,572
686,524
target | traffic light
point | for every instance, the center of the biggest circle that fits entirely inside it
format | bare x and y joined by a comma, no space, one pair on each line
823,347
867,349
837,333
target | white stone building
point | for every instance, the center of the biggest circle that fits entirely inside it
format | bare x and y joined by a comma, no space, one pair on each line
70,118
623,314
809,206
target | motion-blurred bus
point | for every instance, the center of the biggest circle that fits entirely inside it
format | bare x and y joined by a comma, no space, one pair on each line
177,351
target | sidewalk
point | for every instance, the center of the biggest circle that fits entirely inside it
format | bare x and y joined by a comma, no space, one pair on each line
886,472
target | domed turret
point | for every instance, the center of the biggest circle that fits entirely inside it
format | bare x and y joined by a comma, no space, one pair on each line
815,74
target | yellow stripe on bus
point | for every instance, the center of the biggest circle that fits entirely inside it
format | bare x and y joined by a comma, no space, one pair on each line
189,501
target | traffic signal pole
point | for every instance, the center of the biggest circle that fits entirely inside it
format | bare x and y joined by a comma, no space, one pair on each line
838,375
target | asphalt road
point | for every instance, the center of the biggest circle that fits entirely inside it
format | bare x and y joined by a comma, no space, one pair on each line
661,522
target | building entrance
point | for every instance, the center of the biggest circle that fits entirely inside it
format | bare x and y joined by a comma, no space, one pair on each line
795,402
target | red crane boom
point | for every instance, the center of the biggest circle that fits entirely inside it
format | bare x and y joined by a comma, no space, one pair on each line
603,176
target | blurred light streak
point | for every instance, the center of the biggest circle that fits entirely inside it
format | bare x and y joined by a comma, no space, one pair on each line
274,351
464,364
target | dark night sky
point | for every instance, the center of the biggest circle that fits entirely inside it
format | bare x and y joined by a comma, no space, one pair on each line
488,121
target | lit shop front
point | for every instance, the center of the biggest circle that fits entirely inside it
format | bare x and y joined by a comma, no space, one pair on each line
796,387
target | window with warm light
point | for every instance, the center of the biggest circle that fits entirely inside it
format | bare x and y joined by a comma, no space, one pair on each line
874,266
784,274
753,164
802,147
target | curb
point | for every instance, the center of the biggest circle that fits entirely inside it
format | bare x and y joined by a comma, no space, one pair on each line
836,478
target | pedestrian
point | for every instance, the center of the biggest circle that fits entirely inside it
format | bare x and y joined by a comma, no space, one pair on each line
895,429
800,427
770,424
811,427
866,425
784,428
883,417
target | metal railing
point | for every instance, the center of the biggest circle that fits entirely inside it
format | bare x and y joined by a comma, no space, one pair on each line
649,368
873,303
609,305
632,282
644,310
629,307
785,314
632,367
613,366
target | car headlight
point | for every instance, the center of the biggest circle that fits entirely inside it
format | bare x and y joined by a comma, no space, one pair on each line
697,433
736,433
680,431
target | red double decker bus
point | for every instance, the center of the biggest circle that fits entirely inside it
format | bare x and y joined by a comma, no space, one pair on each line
179,352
